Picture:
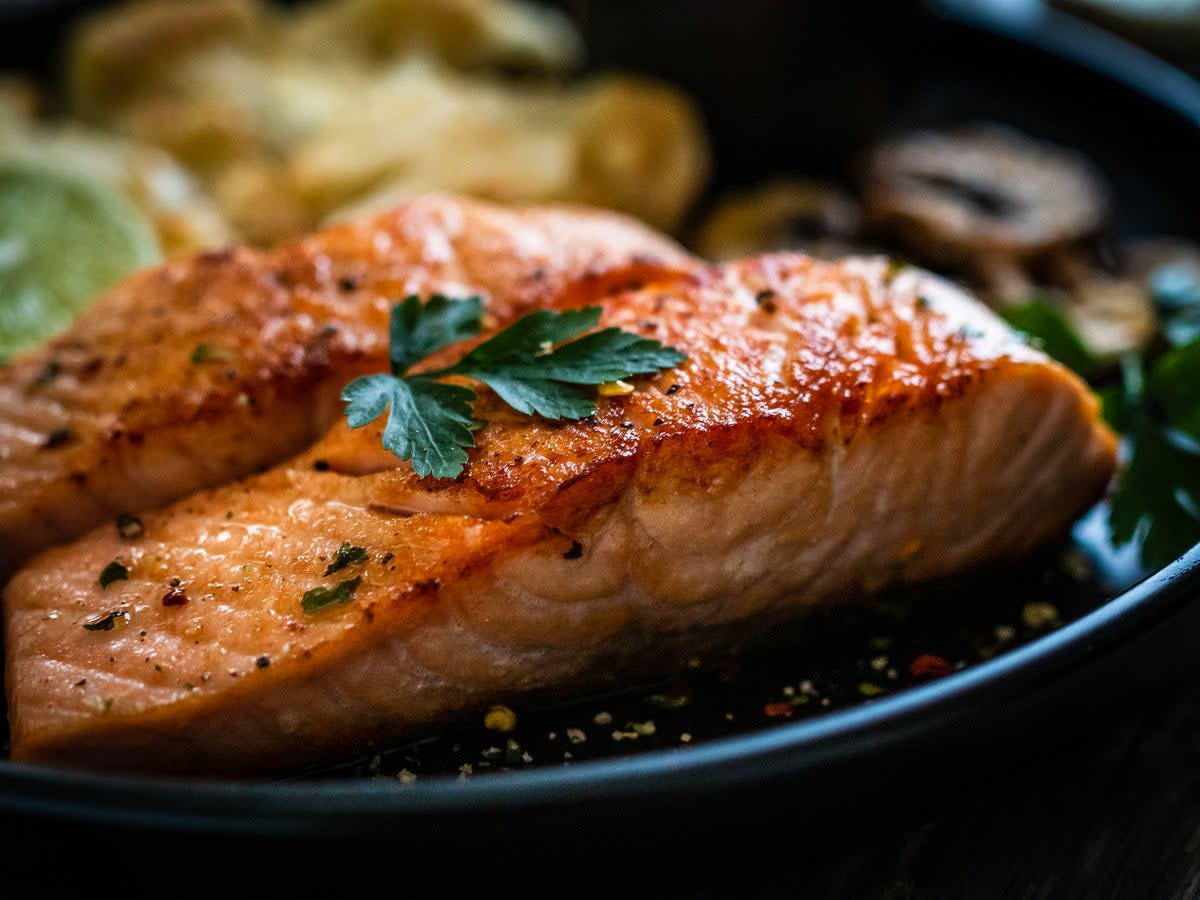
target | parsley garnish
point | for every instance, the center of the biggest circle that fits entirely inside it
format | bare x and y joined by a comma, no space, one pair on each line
205,353
1050,332
322,597
114,571
536,366
347,555
1155,404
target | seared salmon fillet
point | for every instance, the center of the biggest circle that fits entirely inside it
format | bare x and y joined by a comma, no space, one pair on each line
837,428
204,370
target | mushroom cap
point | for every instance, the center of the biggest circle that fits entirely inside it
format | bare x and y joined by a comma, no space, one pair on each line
982,191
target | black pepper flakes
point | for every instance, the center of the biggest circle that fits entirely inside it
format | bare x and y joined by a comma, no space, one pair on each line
321,465
49,372
57,438
626,424
262,662
347,283
672,389
575,552
658,421
766,301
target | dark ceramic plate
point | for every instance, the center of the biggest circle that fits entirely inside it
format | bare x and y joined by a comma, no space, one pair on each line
859,702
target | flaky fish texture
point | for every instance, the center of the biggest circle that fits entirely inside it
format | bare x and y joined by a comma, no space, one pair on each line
837,428
208,369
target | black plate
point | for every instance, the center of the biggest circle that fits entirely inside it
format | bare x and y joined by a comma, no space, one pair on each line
794,87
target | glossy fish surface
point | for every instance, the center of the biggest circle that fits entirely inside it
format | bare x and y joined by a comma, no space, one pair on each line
191,374
836,429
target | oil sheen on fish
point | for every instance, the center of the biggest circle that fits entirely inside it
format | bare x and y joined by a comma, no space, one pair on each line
837,428
208,369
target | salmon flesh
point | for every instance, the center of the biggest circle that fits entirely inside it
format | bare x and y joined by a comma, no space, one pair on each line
205,370
836,429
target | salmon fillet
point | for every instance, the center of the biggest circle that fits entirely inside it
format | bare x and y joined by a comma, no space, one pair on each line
837,428
208,369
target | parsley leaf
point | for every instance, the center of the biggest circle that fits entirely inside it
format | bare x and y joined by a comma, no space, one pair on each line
418,330
1156,407
1049,331
323,597
1175,386
429,422
536,366
347,555
1157,501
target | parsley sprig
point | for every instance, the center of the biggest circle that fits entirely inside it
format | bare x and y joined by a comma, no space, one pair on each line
1154,401
537,365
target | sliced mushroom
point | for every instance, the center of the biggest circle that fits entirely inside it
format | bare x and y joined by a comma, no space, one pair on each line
788,214
1112,315
983,198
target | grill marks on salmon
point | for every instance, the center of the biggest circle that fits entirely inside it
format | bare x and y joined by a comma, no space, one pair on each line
837,428
206,370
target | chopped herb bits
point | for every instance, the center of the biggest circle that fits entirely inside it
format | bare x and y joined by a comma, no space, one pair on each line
324,597
210,353
114,571
347,555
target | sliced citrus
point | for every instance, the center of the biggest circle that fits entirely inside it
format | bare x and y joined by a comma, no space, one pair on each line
63,240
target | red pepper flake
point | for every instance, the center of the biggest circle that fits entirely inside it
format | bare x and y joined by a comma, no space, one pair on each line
174,597
927,665
780,710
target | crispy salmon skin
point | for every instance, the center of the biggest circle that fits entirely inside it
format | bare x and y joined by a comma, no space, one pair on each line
208,369
837,428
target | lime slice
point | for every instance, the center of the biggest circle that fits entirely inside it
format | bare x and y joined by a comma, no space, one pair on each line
63,240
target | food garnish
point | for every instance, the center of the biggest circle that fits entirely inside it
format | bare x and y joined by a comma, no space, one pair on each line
322,597
114,571
347,555
1154,401
536,365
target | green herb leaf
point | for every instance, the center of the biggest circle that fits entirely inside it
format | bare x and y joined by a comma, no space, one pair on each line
419,329
1175,386
205,353
114,571
429,422
533,365
323,597
1049,331
1157,500
347,555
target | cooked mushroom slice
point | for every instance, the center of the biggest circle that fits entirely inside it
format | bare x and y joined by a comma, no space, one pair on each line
787,214
1112,315
981,198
